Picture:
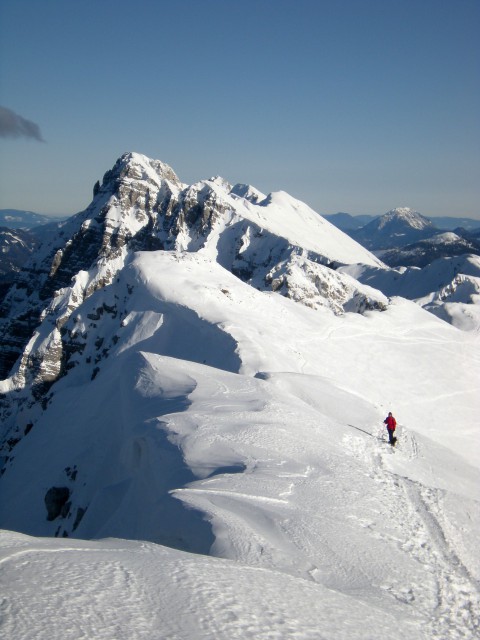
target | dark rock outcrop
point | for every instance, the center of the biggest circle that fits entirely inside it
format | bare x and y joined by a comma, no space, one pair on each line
56,502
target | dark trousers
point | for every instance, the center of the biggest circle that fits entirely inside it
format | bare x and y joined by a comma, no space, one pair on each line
391,436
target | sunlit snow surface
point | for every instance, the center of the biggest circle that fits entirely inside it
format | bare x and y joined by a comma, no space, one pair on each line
240,424
127,590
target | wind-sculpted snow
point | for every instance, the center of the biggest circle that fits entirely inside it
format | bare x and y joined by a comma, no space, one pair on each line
214,382
142,591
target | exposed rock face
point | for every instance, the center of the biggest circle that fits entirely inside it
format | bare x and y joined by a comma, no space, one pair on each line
315,285
56,502
125,210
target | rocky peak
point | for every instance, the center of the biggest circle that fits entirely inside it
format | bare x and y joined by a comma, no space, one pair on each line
137,167
404,216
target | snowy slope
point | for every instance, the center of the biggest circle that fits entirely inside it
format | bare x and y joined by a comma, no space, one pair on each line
128,591
234,422
289,218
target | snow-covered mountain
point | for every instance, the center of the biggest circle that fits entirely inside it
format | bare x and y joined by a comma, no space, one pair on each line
396,228
420,254
403,237
141,204
203,368
347,221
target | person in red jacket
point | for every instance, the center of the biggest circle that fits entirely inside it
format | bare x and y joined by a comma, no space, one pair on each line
391,425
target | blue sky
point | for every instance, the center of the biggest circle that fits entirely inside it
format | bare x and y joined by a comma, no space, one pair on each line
349,105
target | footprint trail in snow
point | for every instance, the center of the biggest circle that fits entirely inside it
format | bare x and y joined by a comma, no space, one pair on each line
449,594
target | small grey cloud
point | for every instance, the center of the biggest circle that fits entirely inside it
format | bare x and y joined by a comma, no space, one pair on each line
14,126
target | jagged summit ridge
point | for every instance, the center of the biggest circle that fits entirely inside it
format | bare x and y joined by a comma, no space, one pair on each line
136,166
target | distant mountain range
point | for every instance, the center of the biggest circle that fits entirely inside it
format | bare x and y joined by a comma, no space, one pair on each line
20,233
423,252
404,237
347,221
19,219
16,246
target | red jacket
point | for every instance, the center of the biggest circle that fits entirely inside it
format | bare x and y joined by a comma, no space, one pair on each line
390,422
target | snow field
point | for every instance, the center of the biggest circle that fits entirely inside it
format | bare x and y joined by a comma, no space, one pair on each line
129,591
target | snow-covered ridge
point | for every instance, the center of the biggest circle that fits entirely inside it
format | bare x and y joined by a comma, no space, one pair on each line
287,217
448,237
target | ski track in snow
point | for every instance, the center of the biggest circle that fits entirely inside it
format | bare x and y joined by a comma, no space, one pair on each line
451,599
